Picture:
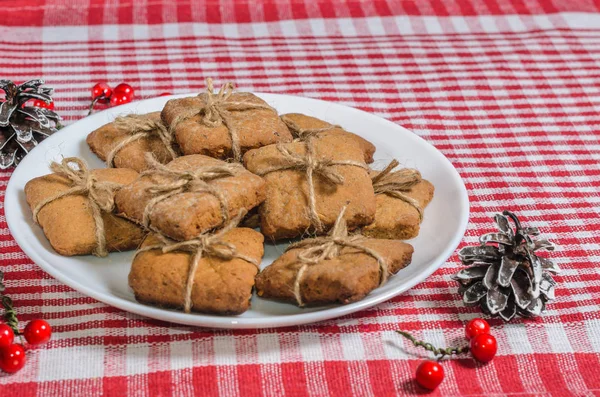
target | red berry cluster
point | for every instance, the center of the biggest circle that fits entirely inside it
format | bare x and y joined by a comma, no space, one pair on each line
483,347
483,344
12,355
121,94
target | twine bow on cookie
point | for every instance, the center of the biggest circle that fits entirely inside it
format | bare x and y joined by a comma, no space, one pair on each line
100,195
138,127
302,133
312,165
396,183
178,182
216,111
315,250
204,244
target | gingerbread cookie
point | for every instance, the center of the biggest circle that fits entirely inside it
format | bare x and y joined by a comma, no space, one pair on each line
190,195
402,196
124,142
224,124
338,268
308,183
211,273
74,208
302,126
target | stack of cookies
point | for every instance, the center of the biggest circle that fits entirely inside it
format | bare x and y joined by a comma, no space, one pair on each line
189,186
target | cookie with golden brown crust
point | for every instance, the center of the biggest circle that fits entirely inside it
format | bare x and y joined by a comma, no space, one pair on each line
254,127
285,211
219,287
397,219
104,139
346,278
185,215
301,124
68,222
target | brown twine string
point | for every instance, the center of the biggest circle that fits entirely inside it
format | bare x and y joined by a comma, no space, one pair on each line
312,165
203,244
328,247
186,181
101,195
300,132
138,127
216,111
395,183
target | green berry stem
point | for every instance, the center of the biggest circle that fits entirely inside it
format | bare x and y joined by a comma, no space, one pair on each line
10,314
429,347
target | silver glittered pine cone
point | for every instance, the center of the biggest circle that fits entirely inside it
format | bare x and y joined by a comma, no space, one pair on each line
504,274
23,127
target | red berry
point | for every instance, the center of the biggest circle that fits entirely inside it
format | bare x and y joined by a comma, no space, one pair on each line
430,374
12,358
7,336
37,332
124,92
38,103
475,327
484,347
117,100
101,91
165,94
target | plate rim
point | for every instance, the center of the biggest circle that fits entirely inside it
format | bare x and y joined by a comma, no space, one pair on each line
231,322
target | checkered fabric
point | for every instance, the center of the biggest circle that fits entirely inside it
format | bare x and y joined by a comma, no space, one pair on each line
508,90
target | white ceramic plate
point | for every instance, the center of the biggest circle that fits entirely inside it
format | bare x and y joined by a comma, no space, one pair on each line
105,279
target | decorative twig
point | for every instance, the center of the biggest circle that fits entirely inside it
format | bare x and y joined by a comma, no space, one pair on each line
91,108
96,100
437,351
10,314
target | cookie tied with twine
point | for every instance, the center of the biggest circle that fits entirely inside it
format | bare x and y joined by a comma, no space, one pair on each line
203,245
315,250
397,183
189,195
311,165
302,126
215,109
303,133
178,182
140,127
99,193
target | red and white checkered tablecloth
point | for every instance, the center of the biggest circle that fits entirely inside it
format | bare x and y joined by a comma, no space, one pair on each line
508,90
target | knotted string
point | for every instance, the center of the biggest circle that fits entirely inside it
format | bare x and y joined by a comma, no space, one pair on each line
186,181
312,165
138,127
328,247
216,111
204,244
101,195
396,183
300,132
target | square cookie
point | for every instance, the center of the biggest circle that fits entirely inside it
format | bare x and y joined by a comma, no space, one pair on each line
68,222
345,278
401,197
126,140
208,123
286,212
193,206
219,286
301,125
397,219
